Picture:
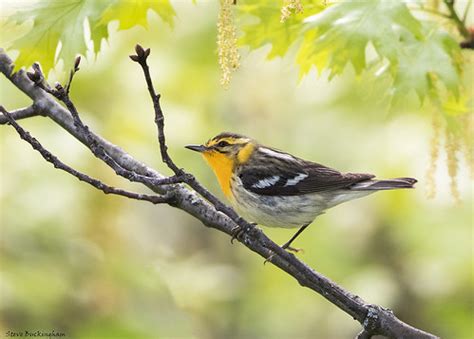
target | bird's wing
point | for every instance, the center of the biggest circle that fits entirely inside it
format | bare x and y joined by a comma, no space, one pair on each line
296,176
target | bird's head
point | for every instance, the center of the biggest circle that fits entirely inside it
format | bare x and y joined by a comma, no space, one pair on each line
226,149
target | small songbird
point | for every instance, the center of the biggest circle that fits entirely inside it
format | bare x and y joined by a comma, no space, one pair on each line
276,189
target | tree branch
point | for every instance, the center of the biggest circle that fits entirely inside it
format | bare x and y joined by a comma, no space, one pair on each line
49,157
91,141
453,16
457,21
374,319
19,114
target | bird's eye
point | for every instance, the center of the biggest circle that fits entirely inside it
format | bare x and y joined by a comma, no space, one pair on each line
223,144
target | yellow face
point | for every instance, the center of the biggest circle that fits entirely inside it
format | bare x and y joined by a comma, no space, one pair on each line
223,153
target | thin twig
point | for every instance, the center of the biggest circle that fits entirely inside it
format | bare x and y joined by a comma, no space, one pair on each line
49,157
72,73
466,11
62,94
457,21
431,11
141,59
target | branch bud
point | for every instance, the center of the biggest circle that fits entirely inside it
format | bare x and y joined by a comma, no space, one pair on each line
33,76
77,62
141,55
37,68
58,87
140,51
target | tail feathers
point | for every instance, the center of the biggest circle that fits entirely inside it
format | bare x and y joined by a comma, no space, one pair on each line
389,184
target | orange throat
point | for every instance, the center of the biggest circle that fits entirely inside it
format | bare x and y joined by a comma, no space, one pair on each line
222,167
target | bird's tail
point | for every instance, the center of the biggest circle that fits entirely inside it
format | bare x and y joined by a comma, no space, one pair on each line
389,184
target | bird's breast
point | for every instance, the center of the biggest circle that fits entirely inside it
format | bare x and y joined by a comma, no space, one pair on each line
222,167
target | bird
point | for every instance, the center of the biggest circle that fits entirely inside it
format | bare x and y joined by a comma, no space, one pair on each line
273,188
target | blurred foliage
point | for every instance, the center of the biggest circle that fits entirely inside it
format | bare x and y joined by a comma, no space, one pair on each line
268,28
407,48
62,22
95,266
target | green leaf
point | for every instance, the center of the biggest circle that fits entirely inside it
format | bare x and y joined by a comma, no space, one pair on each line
308,56
267,28
422,64
54,22
132,13
11,31
99,32
62,23
374,36
345,30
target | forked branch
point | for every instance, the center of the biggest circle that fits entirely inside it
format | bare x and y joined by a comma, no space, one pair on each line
49,157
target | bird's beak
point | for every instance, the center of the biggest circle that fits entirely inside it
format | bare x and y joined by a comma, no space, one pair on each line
197,148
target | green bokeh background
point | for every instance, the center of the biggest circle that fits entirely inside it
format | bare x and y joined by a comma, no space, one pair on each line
96,266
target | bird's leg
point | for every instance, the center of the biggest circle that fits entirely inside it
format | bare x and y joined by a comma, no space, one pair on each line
286,246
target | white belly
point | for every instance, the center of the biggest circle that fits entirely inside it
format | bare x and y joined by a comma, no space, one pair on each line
278,211
287,211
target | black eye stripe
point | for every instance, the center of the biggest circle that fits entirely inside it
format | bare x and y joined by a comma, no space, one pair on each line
219,150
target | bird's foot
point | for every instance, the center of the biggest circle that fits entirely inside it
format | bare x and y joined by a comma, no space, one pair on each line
288,248
269,258
237,232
